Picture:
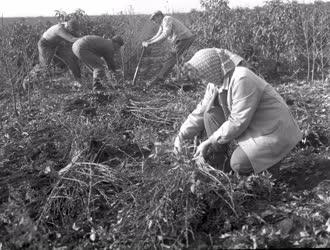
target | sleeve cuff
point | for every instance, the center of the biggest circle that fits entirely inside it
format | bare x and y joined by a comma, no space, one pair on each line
180,135
213,138
217,137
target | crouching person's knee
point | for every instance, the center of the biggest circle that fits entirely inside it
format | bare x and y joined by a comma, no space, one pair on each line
240,168
240,163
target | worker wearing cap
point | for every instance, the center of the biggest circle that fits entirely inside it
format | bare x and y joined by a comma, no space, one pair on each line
180,37
91,49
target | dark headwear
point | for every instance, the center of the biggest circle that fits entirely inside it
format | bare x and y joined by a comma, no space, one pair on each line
73,25
117,39
156,14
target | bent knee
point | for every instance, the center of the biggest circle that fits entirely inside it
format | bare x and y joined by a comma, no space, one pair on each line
240,163
241,168
76,48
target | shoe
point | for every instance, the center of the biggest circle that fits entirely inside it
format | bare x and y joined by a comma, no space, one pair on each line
98,87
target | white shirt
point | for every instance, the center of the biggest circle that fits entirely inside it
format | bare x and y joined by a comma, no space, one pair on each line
173,29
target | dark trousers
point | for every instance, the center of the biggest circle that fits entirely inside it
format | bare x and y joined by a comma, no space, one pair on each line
93,61
218,155
214,116
58,54
174,56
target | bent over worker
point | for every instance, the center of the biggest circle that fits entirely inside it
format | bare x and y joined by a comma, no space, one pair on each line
177,33
91,49
52,47
238,105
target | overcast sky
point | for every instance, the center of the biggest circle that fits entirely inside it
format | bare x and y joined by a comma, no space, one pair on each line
20,8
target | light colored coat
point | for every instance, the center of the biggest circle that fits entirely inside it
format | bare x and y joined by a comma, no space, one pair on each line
173,29
260,120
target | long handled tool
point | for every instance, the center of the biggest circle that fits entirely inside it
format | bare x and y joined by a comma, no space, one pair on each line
122,63
138,66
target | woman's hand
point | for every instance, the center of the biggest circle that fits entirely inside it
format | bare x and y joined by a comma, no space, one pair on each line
177,145
201,151
202,148
145,44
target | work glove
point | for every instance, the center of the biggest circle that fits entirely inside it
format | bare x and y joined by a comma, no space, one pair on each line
145,44
178,144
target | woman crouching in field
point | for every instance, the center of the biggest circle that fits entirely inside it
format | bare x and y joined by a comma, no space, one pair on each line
238,105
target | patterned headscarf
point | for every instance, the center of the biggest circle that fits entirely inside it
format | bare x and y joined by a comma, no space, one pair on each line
214,64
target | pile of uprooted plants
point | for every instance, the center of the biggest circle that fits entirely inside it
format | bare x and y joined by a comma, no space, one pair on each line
80,169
